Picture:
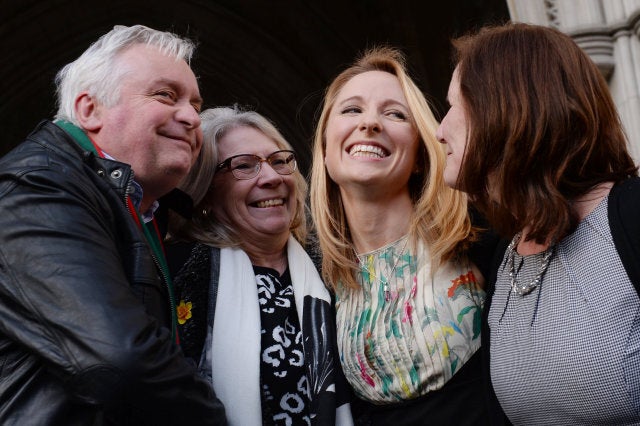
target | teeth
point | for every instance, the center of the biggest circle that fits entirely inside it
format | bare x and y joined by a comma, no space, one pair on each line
366,151
270,203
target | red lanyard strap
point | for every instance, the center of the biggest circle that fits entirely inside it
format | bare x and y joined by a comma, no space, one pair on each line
149,229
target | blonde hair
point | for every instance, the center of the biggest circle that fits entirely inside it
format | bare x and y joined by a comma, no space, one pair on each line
440,218
204,227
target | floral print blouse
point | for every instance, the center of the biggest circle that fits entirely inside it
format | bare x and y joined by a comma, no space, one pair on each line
405,332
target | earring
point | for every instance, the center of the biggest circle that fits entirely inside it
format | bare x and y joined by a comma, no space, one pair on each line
205,212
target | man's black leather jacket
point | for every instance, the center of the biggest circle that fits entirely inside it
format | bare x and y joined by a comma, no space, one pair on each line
83,311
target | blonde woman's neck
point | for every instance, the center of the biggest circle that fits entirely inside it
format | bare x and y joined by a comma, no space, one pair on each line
375,224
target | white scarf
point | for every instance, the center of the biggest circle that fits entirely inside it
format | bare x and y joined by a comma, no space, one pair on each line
236,339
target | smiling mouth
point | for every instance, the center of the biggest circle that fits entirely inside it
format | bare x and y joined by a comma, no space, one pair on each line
181,138
368,151
269,203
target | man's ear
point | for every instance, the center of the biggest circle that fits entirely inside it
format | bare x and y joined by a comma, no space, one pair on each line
88,112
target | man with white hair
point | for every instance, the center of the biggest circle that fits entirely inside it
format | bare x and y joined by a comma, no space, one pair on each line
87,315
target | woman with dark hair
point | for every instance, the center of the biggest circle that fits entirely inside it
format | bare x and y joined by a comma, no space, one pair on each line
533,136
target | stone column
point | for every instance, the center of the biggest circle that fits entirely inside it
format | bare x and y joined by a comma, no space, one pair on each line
609,31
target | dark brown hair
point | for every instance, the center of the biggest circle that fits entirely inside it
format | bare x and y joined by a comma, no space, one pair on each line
543,128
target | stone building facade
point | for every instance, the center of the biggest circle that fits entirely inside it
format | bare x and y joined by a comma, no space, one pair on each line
609,31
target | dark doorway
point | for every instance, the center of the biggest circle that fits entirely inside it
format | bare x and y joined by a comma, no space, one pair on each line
274,56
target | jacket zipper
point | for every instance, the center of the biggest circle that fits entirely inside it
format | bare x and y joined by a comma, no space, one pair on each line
156,261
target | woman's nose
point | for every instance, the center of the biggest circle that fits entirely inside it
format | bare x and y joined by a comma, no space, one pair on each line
370,123
439,134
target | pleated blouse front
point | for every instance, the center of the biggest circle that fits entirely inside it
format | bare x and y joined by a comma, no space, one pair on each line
405,332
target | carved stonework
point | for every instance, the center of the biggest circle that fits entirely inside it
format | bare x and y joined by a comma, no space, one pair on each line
599,47
609,31
551,9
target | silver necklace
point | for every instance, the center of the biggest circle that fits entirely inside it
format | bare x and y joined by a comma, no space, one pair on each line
385,282
524,289
387,293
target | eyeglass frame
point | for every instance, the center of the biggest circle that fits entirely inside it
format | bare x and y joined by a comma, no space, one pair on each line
226,164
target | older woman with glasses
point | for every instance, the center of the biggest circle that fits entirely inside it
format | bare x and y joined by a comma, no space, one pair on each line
253,311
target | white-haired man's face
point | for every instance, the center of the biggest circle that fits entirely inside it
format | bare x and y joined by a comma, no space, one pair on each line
155,125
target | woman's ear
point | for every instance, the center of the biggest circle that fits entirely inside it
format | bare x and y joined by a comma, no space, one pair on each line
203,212
205,207
88,112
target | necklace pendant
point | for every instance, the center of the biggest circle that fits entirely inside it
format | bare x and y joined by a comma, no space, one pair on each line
387,293
523,289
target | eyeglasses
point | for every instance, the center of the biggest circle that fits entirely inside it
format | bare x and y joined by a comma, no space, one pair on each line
247,166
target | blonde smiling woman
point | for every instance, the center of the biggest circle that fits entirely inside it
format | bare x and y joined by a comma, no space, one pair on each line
393,239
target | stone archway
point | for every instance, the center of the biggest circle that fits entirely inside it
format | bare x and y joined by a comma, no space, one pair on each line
275,56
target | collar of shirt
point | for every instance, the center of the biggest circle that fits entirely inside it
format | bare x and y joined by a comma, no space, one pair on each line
136,198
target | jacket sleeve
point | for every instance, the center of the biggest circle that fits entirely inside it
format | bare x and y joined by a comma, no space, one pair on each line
70,297
624,204
482,249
